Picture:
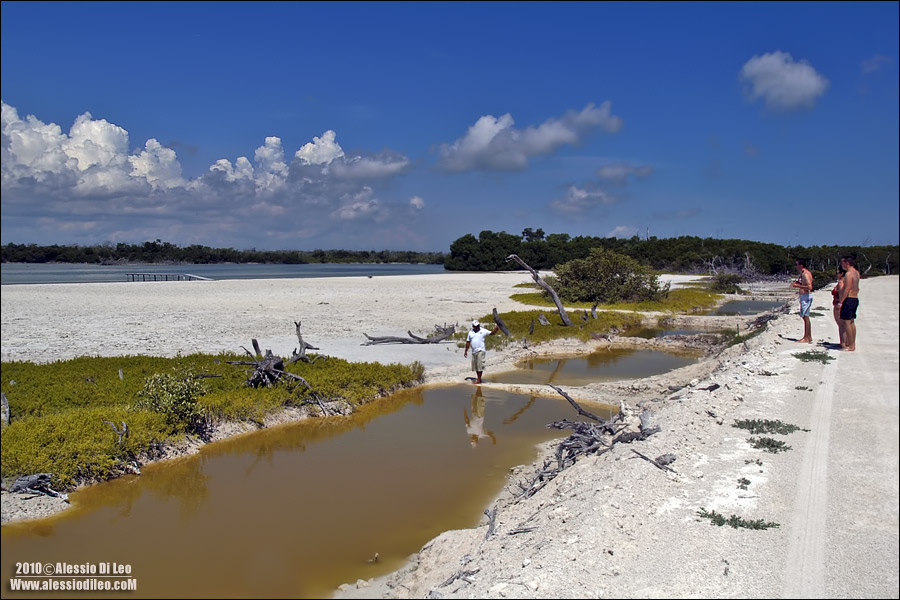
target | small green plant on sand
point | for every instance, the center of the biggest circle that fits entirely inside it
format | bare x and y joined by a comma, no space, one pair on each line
767,426
735,521
769,445
743,482
814,355
803,388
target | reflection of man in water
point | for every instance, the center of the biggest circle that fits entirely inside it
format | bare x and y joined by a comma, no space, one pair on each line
475,424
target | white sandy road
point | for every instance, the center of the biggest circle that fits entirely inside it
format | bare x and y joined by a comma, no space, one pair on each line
609,526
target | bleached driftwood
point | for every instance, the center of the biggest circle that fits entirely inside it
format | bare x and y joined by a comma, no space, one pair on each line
300,354
269,369
442,334
546,286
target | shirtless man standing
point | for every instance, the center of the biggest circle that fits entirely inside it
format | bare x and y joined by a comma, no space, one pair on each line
804,285
848,302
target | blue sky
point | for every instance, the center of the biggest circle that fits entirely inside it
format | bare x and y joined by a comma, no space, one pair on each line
371,126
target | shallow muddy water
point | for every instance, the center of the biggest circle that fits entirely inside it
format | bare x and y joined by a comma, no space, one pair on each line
603,365
296,510
744,307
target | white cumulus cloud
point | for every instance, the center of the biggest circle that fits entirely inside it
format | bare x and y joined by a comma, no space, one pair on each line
362,205
369,167
157,164
622,232
783,83
494,144
320,151
93,158
579,199
87,185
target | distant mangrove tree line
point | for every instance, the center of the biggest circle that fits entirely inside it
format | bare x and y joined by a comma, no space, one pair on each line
686,254
159,252
488,252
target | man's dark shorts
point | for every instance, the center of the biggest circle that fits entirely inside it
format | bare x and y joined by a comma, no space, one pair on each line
848,309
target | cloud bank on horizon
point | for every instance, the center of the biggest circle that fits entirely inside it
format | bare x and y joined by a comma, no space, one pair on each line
88,177
582,169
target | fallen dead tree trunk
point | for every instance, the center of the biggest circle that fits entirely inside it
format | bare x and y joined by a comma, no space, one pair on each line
442,334
269,369
38,483
597,437
546,286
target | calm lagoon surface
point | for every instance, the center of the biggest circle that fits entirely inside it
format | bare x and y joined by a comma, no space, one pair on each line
296,510
25,273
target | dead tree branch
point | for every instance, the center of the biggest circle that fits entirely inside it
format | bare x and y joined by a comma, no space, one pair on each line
578,408
300,353
501,324
442,334
586,439
658,463
268,371
123,433
546,286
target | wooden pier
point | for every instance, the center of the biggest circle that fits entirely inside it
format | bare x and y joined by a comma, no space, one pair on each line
164,277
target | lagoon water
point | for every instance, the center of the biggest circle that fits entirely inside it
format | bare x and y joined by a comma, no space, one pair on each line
745,307
23,273
294,511
602,365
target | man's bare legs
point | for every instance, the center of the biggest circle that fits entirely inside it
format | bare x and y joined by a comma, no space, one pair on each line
849,339
807,331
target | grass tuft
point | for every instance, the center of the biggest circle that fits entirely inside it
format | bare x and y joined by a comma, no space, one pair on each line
735,521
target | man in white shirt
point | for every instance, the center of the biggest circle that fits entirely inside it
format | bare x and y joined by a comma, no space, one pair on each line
475,341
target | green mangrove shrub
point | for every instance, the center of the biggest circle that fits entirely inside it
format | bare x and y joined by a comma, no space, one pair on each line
607,277
726,283
175,397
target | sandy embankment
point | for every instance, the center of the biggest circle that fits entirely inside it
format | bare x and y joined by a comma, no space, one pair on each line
613,525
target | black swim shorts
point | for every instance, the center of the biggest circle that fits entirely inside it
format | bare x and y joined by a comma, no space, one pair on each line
848,309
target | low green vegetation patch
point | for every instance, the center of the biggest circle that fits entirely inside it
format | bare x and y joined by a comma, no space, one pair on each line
766,426
814,356
681,300
526,324
64,416
735,521
770,445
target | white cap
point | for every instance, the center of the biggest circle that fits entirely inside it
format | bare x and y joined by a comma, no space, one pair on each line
475,323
